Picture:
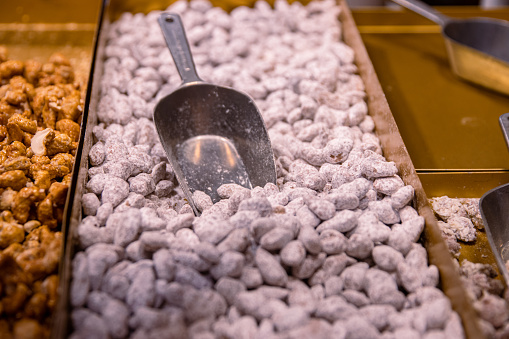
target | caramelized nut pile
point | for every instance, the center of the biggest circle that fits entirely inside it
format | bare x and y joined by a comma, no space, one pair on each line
40,111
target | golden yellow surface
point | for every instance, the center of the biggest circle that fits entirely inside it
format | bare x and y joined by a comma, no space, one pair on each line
450,127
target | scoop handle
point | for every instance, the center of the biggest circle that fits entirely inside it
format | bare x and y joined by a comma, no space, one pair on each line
175,36
504,124
425,10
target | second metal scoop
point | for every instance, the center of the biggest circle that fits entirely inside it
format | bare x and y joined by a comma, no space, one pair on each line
494,208
478,48
213,135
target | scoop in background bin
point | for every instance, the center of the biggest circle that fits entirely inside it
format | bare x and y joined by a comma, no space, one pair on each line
494,208
478,48
213,135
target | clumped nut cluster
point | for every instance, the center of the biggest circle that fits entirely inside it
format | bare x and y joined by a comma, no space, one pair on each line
459,217
331,251
40,109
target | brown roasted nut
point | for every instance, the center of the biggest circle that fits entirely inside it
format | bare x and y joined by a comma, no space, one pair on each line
27,328
69,127
3,132
45,212
16,296
10,233
58,192
14,179
17,163
36,306
26,125
61,143
63,163
50,287
10,68
59,59
71,106
4,53
32,69
41,259
12,150
24,200
7,198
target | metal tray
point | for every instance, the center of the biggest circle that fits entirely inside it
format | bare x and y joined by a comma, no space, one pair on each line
35,29
392,144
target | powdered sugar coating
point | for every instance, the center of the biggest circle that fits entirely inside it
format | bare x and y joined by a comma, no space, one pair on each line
296,259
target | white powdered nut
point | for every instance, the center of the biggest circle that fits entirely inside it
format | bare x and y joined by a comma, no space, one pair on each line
114,191
91,326
412,227
438,311
378,168
308,267
208,252
80,283
96,183
152,241
353,276
230,264
164,265
199,304
202,200
357,113
226,191
384,212
402,197
387,258
251,277
259,204
229,288
307,176
388,185
382,288
150,221
359,246
310,238
179,222
334,308
120,168
89,232
290,318
100,257
359,187
333,242
400,241
333,286
343,201
128,229
462,228
336,151
293,253
90,203
307,217
276,239
188,276
97,154
237,240
410,277
343,221
322,208
212,229
142,184
356,298
271,270
185,240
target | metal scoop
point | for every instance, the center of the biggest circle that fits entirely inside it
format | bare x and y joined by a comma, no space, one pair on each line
494,208
213,135
478,48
